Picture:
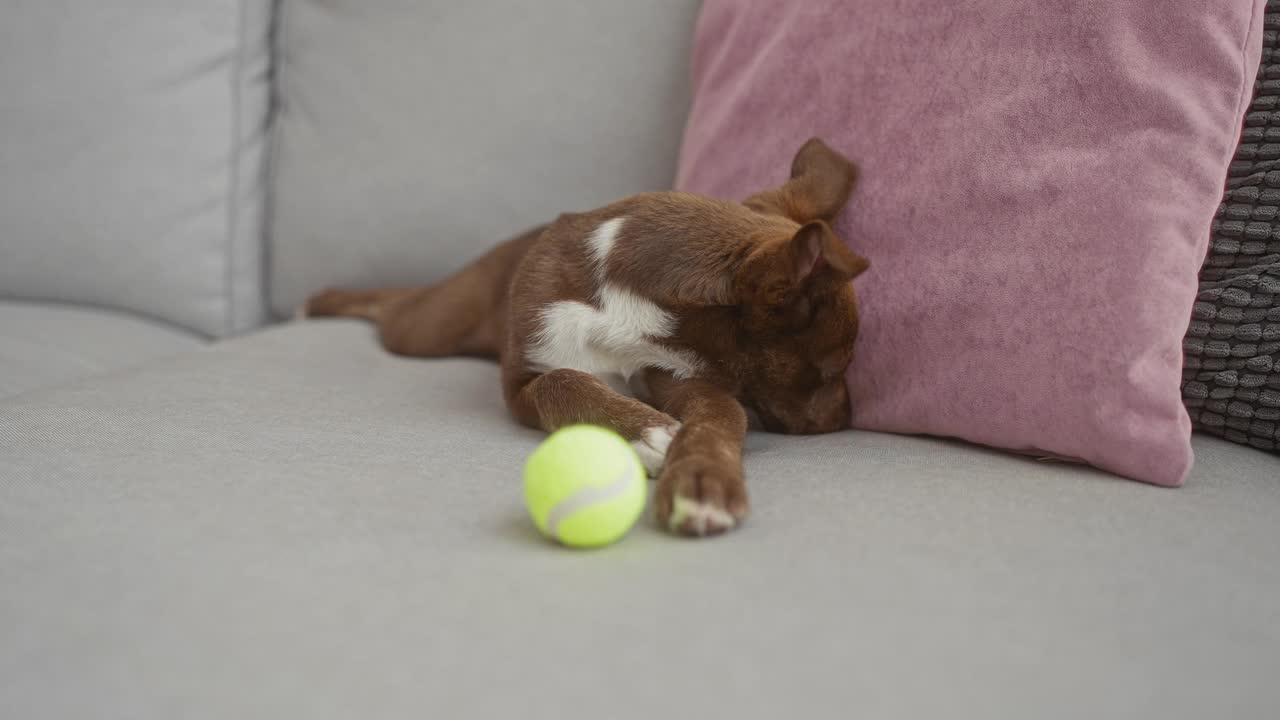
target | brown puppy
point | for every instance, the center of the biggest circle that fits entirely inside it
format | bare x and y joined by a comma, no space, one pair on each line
713,305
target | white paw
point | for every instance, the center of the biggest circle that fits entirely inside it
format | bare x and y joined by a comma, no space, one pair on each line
699,518
652,446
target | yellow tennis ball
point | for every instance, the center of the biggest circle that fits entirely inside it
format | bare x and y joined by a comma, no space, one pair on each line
584,486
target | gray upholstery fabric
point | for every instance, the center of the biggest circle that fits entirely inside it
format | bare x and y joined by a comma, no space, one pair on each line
411,136
1231,367
45,345
131,157
295,524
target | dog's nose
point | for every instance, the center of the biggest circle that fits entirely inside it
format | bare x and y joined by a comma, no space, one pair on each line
774,426
828,421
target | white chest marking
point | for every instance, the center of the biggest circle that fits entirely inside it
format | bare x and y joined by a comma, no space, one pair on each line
614,336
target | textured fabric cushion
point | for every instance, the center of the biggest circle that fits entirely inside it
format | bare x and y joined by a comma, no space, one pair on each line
1231,372
46,345
1038,182
131,157
296,524
412,136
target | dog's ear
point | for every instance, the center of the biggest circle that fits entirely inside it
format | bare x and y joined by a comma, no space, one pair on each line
816,252
812,260
821,182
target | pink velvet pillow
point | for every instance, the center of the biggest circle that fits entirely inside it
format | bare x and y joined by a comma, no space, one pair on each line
1038,181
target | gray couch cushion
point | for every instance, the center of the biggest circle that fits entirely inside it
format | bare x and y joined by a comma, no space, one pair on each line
45,345
131,157
296,524
413,135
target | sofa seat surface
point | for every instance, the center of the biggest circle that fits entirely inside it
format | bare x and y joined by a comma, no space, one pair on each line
43,345
296,524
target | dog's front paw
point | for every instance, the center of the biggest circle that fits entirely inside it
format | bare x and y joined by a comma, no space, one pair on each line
653,444
699,495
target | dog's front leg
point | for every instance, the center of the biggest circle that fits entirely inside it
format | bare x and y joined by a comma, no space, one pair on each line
701,490
567,397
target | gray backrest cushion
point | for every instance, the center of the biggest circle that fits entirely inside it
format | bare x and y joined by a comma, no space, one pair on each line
1231,360
412,135
131,156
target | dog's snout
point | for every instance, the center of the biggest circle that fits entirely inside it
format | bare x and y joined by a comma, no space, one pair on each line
771,423
834,423
798,423
824,410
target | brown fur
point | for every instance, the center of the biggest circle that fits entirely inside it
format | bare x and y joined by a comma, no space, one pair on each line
760,289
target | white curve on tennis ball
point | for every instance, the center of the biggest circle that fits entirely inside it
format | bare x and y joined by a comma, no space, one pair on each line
590,496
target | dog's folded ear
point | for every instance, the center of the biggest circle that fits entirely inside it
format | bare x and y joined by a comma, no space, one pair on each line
816,251
811,260
821,182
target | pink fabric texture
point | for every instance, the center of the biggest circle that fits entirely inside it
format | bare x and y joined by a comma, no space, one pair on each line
1038,181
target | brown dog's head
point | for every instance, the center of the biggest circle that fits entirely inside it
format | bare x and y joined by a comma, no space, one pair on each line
799,315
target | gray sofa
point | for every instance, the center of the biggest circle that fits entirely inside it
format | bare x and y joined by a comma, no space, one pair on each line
207,515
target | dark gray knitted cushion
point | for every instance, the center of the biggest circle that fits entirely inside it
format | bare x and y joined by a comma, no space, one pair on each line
1231,375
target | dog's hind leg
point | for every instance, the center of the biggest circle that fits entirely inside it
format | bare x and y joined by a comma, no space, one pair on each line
463,315
366,304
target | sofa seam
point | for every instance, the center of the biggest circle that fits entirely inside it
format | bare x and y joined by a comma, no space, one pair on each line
233,183
277,45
